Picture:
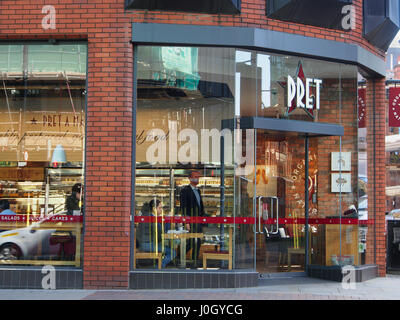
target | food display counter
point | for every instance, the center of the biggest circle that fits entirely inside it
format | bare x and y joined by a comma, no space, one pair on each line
166,184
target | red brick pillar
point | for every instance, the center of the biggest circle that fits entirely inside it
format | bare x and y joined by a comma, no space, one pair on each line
376,124
108,156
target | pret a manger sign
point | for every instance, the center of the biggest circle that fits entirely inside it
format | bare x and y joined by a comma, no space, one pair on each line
303,92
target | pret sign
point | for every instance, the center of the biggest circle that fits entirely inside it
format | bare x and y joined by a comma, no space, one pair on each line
303,92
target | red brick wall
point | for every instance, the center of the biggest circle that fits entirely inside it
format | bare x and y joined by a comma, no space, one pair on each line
106,27
108,152
376,172
253,15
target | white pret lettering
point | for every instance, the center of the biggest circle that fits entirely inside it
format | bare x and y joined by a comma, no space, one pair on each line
318,83
297,89
309,102
300,93
291,88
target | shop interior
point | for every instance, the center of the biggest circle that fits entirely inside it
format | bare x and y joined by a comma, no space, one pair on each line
42,141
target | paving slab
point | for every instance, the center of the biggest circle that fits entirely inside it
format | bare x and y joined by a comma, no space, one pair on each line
295,288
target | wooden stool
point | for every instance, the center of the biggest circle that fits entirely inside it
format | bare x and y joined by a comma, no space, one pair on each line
145,255
292,251
220,255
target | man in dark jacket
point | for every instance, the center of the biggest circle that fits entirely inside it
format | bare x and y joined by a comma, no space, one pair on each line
192,206
74,200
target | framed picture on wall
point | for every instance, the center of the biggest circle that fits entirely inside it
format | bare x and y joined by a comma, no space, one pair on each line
341,182
341,161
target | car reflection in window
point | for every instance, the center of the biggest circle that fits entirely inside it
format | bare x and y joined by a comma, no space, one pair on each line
33,242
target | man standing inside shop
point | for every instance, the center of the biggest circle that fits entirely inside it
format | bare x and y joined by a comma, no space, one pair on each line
5,208
74,201
192,206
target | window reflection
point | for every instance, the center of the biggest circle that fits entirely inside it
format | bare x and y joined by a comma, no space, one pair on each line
42,136
190,107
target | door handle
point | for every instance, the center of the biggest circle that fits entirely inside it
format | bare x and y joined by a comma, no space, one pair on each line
254,213
274,200
272,215
259,214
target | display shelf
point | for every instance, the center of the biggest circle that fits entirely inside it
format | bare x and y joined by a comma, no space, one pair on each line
19,195
167,183
30,196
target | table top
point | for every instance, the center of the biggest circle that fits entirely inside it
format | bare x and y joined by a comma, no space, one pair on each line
182,235
296,250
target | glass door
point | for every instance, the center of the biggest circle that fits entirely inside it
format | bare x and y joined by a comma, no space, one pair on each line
279,202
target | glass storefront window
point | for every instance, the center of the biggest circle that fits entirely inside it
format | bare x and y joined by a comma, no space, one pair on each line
42,141
392,183
365,228
230,196
183,98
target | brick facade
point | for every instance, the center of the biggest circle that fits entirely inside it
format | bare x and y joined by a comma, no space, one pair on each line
107,29
376,111
253,15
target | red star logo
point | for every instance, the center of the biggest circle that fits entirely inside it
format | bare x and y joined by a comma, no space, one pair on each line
302,77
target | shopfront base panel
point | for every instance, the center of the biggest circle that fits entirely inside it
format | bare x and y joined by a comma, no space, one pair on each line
192,280
33,278
337,273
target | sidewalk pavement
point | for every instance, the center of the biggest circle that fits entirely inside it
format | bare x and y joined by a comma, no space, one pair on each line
293,288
